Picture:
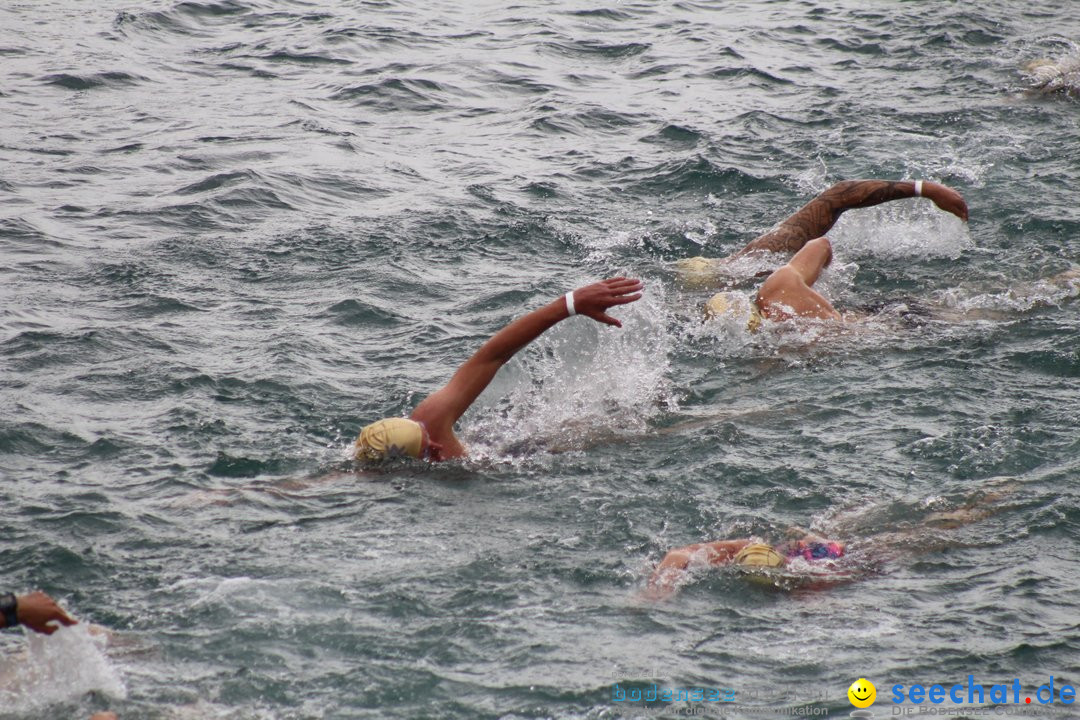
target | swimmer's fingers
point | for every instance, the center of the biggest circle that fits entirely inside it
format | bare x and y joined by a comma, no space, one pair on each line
622,283
592,300
947,199
604,318
620,299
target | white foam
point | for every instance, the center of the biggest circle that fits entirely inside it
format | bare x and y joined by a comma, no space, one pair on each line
898,230
579,383
1022,297
58,668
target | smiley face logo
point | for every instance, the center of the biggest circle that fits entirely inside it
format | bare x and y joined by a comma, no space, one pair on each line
862,693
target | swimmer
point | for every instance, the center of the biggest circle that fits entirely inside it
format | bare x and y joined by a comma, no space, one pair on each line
758,559
747,553
817,217
428,432
788,291
35,610
1053,77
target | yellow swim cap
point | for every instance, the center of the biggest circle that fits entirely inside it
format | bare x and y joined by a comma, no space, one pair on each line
759,555
734,304
696,271
392,437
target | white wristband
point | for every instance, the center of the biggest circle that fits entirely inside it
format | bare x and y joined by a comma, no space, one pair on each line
918,188
570,303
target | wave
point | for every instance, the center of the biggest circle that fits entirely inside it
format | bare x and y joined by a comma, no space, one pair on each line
113,79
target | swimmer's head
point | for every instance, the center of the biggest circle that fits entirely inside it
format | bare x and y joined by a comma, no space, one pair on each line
698,271
1049,76
759,555
734,305
390,438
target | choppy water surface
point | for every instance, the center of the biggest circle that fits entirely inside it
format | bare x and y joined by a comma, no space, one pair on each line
234,232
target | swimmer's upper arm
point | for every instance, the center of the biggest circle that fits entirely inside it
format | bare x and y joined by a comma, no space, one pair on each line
812,220
819,215
442,408
722,551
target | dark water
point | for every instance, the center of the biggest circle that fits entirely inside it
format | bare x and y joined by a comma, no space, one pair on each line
232,233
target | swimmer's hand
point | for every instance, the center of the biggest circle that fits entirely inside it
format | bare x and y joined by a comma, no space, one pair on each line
593,300
38,611
946,198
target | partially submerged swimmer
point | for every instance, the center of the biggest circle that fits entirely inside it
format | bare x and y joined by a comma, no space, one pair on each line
787,291
815,219
806,560
1054,77
745,553
428,432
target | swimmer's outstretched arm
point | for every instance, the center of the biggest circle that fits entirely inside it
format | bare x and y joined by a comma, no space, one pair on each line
441,409
819,215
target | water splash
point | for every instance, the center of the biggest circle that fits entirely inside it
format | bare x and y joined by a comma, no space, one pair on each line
901,230
59,668
580,384
1021,297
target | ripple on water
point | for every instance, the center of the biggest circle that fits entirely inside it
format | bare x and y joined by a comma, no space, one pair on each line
595,49
397,95
115,79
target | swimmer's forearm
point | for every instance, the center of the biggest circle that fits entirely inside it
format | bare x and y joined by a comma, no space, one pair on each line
478,371
867,193
670,570
592,301
819,215
507,342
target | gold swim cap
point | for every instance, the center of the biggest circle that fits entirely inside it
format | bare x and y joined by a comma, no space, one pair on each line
697,271
736,305
392,437
759,555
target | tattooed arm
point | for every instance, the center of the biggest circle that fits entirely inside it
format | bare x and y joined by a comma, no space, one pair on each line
816,217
